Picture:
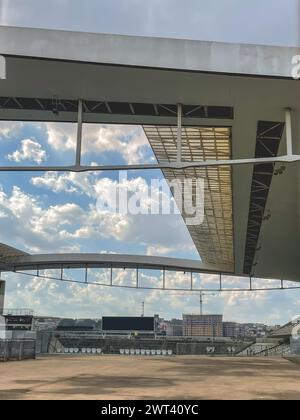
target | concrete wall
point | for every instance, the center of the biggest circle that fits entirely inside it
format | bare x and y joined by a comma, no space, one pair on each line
17,349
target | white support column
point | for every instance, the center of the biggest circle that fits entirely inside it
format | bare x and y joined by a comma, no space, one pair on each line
179,132
288,129
79,133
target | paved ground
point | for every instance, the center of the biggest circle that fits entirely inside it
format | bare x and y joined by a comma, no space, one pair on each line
121,377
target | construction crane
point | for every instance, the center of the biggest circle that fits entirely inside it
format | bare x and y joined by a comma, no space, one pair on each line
201,299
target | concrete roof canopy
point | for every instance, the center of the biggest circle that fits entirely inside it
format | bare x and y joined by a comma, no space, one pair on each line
241,88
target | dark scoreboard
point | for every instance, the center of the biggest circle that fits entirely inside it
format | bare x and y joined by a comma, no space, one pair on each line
18,322
127,323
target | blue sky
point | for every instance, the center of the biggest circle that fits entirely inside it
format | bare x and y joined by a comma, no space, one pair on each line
58,212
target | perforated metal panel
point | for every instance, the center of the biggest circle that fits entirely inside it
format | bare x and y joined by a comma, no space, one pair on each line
214,237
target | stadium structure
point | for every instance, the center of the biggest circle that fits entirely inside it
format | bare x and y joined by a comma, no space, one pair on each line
222,112
228,113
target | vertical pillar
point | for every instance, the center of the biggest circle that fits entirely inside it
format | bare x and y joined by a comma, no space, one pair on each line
288,129
79,133
2,319
179,132
2,295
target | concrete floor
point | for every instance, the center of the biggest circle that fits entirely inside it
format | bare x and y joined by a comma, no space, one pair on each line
178,377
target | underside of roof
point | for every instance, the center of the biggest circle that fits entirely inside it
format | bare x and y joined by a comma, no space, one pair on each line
252,227
7,253
213,237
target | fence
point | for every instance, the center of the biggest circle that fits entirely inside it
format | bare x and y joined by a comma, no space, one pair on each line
17,349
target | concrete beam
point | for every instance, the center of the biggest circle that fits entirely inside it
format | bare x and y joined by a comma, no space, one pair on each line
138,51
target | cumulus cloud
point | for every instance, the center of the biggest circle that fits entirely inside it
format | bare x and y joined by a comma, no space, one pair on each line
160,234
68,182
25,223
9,128
30,150
128,141
61,136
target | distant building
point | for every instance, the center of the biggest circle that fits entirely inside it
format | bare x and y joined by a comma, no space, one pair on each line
203,325
231,329
254,330
174,327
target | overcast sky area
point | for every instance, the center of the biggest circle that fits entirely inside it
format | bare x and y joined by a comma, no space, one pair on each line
273,22
59,212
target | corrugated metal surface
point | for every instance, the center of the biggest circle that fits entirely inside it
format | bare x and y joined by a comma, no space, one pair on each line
214,237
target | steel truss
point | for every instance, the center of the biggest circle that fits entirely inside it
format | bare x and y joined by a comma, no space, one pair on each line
289,157
163,287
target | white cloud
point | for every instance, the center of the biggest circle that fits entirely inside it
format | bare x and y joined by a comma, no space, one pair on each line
69,182
128,141
30,150
161,235
63,227
9,128
61,136
26,224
